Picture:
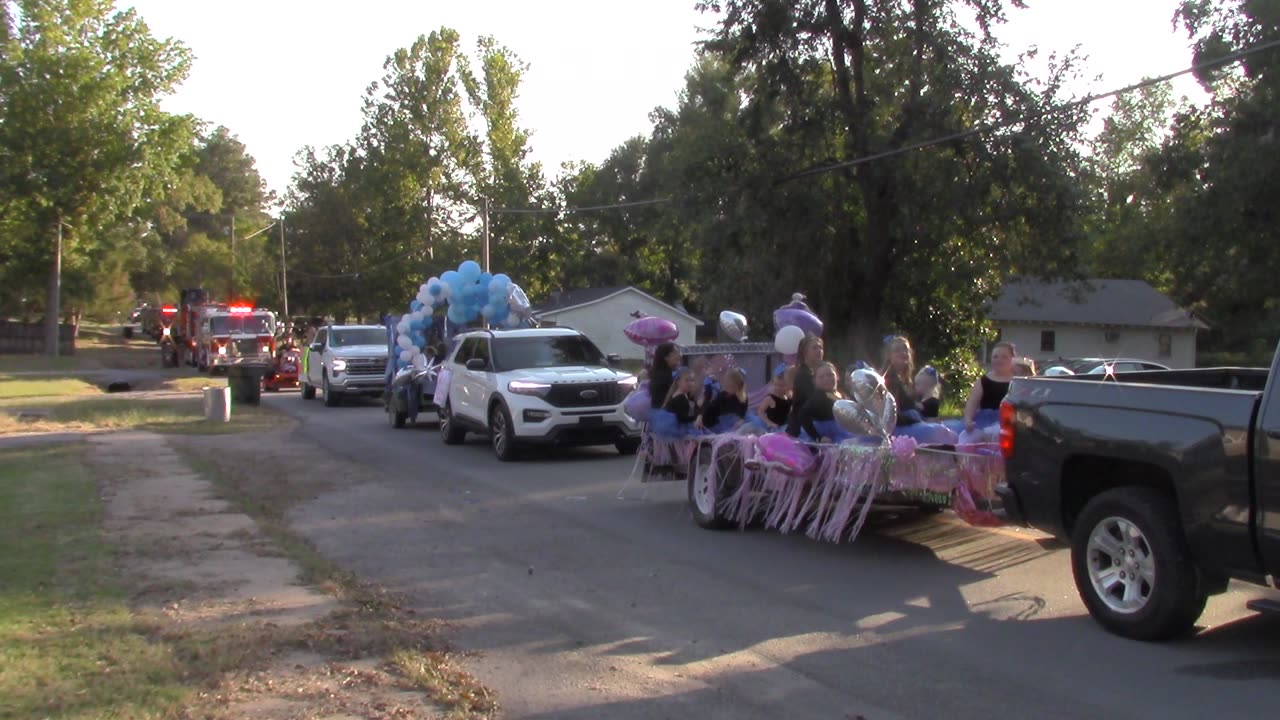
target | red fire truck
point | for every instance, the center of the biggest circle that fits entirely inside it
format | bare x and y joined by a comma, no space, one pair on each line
232,334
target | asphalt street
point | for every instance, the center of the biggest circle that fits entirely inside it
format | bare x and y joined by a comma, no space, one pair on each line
581,605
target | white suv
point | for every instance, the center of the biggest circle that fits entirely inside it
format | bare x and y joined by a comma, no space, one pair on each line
541,386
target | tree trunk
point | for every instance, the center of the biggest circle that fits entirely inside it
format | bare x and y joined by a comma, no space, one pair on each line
52,311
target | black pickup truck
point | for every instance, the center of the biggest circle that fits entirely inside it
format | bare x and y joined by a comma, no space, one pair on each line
1165,483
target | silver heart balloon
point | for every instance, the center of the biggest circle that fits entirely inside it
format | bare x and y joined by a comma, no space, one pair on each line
864,384
887,420
733,325
518,301
854,418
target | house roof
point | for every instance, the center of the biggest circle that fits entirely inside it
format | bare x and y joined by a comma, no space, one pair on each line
572,299
1131,303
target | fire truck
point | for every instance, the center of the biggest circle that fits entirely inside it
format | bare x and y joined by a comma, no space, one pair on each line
211,335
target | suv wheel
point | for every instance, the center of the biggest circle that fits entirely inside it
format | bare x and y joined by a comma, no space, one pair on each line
1132,566
308,391
502,434
450,431
331,398
627,446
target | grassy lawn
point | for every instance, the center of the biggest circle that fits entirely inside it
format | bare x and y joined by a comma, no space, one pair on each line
175,415
97,347
18,388
69,647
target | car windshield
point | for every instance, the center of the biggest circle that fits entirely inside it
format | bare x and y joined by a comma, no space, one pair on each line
535,352
261,324
349,337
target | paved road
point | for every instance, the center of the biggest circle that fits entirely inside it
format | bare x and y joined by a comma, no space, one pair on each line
583,606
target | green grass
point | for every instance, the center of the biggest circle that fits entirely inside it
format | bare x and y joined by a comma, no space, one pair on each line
69,647
36,363
178,415
18,387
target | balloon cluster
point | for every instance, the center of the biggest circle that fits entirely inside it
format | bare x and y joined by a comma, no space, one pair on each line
872,409
469,294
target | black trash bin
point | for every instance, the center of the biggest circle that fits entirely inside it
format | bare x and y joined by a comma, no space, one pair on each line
246,383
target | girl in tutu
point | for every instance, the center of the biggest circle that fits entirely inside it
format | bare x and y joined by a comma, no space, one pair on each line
815,421
899,369
982,411
679,414
928,392
775,409
728,411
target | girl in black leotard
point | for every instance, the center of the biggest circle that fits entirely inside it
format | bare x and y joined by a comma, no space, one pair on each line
776,406
815,420
661,372
899,366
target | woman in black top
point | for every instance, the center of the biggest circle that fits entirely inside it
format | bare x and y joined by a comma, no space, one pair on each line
661,372
982,411
810,356
900,381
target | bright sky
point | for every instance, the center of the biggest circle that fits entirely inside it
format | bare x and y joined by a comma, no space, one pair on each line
282,74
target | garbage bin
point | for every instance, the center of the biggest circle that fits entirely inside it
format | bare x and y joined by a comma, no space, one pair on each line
245,382
217,404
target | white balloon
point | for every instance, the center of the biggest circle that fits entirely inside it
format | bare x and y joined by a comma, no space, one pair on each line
404,342
420,360
406,356
402,327
788,340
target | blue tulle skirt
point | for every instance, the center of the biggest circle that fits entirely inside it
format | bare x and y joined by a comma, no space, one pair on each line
665,425
929,433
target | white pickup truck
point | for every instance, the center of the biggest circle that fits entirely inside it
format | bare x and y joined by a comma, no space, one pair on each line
345,360
548,386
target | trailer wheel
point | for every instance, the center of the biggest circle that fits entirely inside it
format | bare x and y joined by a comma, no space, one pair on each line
710,484
1132,566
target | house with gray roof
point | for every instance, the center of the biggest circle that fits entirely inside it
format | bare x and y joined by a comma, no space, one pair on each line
601,314
1095,319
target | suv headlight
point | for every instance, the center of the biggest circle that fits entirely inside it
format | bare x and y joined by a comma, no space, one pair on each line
526,387
629,383
338,365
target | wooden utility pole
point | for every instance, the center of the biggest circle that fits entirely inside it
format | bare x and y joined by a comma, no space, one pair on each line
484,248
53,303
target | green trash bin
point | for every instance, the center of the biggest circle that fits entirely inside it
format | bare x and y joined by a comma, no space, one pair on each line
246,383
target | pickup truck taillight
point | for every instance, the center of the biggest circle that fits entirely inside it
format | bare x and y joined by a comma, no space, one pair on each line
1006,429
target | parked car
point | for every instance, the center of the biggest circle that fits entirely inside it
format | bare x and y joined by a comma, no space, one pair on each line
345,360
1098,366
536,386
1166,484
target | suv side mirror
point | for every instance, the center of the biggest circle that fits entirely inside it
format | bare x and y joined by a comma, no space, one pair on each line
316,347
613,358
477,364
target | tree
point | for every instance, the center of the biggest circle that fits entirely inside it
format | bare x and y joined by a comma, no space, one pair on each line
912,241
82,137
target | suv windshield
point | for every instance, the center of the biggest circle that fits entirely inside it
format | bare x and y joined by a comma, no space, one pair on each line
535,352
242,325
347,337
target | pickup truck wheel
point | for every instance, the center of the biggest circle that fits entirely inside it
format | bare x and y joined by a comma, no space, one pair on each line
450,431
502,434
308,391
331,399
628,446
1132,566
710,484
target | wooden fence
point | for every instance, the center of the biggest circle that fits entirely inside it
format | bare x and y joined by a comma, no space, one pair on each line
28,338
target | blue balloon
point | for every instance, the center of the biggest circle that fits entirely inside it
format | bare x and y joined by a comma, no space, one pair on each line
435,290
415,306
484,279
450,277
470,269
457,314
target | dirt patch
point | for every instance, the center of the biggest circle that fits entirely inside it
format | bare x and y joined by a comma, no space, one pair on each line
234,595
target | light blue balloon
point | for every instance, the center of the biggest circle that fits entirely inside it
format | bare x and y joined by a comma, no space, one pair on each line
470,270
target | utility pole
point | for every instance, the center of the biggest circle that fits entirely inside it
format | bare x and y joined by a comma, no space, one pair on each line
233,258
53,309
284,272
484,248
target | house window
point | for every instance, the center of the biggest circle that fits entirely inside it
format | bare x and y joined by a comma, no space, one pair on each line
1164,343
1048,341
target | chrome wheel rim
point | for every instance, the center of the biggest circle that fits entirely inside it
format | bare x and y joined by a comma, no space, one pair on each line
704,494
1121,565
444,420
499,424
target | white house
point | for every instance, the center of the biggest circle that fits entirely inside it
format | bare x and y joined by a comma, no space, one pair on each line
1095,319
602,313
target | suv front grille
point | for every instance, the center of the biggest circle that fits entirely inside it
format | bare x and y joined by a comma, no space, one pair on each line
366,366
598,394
